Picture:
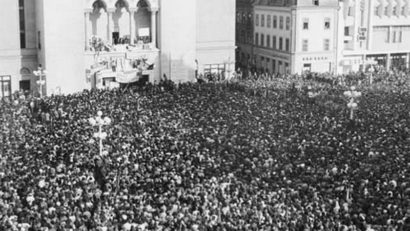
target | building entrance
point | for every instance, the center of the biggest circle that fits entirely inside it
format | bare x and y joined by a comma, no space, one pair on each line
25,85
5,86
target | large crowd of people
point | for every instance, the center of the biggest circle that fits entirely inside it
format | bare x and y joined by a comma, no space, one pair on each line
241,155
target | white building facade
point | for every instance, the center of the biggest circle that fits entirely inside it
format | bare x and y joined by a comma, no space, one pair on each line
295,36
335,36
97,43
373,32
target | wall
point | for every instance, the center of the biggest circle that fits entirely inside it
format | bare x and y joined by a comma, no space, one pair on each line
274,54
380,44
316,32
63,32
178,39
10,62
320,59
215,30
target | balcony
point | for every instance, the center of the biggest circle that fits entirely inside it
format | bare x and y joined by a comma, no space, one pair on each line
121,62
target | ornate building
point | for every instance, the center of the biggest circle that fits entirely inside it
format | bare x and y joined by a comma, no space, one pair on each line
101,43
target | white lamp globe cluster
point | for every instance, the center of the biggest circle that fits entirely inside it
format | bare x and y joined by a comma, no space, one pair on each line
352,95
100,122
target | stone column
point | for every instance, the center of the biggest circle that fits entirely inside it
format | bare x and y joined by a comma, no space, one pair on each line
370,26
86,20
154,27
109,34
388,61
132,26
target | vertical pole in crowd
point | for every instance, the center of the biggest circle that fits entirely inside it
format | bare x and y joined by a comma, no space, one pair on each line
40,73
100,141
100,122
352,95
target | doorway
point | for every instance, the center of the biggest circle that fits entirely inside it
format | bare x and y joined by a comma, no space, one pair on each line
116,37
25,85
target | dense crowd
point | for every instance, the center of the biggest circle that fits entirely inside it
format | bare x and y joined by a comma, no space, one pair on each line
226,156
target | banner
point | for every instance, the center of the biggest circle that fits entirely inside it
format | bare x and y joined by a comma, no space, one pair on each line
127,76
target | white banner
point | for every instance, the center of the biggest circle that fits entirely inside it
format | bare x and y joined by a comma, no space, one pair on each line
127,76
142,32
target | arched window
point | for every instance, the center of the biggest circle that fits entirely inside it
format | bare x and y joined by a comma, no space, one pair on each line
98,5
142,4
25,71
122,4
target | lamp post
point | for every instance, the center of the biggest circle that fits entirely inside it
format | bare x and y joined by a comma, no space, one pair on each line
371,70
352,95
40,73
100,122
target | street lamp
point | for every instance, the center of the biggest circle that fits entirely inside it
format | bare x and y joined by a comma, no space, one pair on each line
100,122
40,73
371,71
352,95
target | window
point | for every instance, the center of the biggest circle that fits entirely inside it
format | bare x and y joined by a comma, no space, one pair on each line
275,21
280,67
347,31
262,40
256,39
350,11
327,23
269,21
287,23
397,36
280,43
22,24
273,65
39,39
257,20
214,69
306,24
387,40
394,11
305,45
262,20
394,36
400,37
307,67
376,10
386,10
287,45
326,44
316,2
281,22
274,42
268,41
403,10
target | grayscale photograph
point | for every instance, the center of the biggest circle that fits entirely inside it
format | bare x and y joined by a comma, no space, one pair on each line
205,115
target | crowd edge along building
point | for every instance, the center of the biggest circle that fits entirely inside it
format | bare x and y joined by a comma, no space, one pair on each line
373,32
97,43
295,36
